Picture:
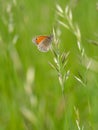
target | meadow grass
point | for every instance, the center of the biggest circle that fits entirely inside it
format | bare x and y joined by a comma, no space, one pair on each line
56,90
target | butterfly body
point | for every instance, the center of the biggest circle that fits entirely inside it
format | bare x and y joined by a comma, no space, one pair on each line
43,43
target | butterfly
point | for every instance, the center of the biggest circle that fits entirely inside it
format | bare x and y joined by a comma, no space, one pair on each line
43,43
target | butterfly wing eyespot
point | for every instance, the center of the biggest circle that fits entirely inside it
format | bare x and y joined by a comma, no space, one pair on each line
34,40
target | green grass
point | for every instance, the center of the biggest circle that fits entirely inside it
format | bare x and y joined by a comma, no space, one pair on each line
31,97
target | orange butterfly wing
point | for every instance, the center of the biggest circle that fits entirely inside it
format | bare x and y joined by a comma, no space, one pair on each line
40,39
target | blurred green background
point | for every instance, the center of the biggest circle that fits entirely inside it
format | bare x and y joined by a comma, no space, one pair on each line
30,94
